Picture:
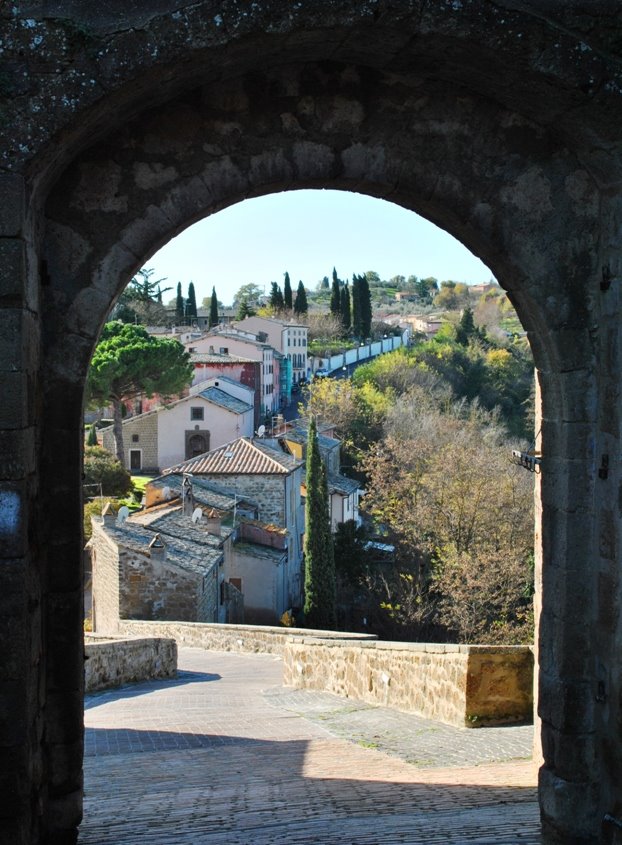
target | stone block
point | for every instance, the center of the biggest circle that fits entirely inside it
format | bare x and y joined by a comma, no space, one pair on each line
12,271
17,453
12,520
13,205
15,405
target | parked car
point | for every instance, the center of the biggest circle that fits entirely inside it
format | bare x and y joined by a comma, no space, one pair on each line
321,374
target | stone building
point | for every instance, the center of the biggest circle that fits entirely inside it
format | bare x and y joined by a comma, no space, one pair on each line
185,428
252,470
210,366
141,574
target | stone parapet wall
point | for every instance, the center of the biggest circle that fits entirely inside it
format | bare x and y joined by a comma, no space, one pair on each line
112,661
241,638
466,686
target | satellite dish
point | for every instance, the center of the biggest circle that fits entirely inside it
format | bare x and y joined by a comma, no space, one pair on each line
166,493
123,514
197,514
261,431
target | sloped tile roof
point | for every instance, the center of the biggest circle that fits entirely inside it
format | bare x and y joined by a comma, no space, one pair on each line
243,456
224,400
204,494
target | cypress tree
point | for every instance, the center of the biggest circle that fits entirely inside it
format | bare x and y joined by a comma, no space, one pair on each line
365,306
213,309
300,305
179,305
346,314
287,293
335,296
276,297
356,306
92,438
192,303
320,593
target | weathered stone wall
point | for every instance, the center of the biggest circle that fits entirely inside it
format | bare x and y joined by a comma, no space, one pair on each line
105,579
267,490
463,685
239,638
112,662
145,427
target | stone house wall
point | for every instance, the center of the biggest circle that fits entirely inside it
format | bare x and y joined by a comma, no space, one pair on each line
145,427
150,588
105,580
267,490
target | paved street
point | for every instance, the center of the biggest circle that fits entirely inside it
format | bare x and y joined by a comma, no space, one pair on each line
225,754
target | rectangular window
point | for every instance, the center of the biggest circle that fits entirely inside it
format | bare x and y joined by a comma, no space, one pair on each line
135,438
196,413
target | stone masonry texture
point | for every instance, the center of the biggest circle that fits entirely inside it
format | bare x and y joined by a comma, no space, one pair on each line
121,124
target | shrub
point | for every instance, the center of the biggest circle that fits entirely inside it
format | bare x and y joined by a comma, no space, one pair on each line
101,467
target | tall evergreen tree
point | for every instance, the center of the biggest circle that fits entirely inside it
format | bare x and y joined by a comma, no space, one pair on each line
213,309
245,310
300,305
365,306
287,293
92,438
335,296
276,297
346,312
325,283
179,305
320,597
466,329
191,310
356,306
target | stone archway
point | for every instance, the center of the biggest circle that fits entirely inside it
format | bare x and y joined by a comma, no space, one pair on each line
485,119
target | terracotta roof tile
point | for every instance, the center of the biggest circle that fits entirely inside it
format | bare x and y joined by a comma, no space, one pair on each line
240,457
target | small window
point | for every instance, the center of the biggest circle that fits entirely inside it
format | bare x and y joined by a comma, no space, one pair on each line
196,413
135,438
224,350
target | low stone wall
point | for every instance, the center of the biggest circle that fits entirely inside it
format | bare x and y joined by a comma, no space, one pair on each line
242,638
112,661
466,686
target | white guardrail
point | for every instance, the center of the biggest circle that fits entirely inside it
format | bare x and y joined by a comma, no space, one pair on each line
363,352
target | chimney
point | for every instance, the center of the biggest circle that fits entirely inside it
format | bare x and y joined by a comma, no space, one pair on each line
187,499
157,548
213,522
109,514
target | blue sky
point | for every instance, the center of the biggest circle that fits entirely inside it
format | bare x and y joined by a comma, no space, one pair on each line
307,233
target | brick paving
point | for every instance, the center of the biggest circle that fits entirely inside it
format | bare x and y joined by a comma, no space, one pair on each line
224,754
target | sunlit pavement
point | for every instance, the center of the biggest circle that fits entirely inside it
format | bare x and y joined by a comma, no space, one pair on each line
224,754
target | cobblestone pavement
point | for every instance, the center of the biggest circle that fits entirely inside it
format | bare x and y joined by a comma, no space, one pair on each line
224,754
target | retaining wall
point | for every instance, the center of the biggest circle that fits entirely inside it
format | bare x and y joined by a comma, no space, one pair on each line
112,661
466,686
241,638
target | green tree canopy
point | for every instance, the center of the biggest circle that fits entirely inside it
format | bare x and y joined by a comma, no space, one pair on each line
179,305
335,295
127,361
287,293
251,292
213,309
276,297
320,598
300,305
191,304
345,310
104,474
